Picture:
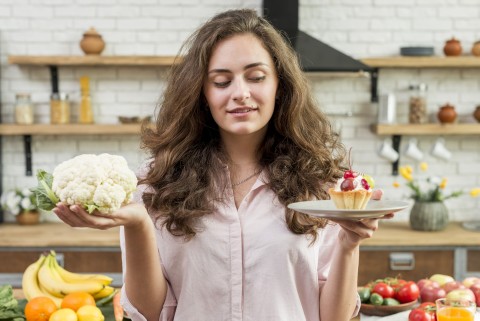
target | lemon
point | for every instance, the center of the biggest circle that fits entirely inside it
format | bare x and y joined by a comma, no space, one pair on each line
89,313
63,315
369,180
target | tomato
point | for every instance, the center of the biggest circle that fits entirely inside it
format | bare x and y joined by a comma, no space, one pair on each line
425,312
385,290
408,292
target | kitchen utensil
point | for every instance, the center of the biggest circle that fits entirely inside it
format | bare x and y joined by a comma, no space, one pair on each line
387,151
418,113
476,113
412,150
447,113
384,310
92,42
387,109
440,151
452,47
476,48
417,51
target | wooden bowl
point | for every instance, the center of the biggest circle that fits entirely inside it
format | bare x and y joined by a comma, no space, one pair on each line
383,310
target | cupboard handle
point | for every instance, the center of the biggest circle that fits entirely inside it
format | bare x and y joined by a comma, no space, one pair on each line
402,261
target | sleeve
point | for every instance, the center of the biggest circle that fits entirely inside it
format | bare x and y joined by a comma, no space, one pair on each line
328,240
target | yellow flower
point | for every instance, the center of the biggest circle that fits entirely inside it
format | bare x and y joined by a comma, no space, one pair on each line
396,184
406,172
443,183
424,166
475,192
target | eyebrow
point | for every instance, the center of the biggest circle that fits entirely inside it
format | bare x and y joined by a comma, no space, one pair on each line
255,64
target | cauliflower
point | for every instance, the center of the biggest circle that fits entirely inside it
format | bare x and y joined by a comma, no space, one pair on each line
96,182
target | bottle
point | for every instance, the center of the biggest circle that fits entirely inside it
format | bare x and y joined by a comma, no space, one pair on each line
59,108
23,109
418,113
85,115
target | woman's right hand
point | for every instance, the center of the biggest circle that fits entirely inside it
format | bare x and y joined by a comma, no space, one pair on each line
129,215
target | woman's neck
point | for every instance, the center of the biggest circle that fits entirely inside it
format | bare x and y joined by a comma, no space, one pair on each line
242,150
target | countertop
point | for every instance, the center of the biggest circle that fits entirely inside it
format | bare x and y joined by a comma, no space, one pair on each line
388,234
56,235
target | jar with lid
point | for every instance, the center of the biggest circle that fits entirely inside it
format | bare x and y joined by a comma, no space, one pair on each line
59,108
23,109
418,113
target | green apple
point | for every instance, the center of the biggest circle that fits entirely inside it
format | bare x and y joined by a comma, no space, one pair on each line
441,279
461,294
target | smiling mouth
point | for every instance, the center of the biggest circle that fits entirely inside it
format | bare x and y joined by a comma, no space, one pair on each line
242,110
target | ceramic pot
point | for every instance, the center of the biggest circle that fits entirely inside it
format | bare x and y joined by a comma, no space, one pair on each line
92,42
447,114
28,218
428,216
476,113
476,48
452,47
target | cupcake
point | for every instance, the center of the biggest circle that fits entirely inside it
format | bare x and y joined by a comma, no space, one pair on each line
352,191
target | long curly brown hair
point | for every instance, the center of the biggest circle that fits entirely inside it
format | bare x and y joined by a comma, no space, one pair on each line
301,154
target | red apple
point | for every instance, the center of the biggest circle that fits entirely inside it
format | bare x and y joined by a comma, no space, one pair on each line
461,294
422,282
432,292
475,288
453,285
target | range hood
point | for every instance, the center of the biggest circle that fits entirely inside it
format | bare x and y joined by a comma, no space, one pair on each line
314,55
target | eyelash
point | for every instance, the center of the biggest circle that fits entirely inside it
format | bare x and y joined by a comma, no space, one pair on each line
225,83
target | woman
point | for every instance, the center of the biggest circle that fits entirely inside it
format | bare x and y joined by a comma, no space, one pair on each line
238,137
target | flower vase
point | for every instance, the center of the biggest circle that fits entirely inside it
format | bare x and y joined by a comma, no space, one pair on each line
28,218
428,216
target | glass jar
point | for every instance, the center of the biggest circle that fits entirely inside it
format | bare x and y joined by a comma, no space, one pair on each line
59,108
418,113
23,109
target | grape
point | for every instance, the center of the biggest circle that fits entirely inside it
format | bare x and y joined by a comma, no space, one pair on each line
348,174
347,185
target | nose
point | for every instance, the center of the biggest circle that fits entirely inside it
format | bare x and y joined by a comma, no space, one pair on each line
241,91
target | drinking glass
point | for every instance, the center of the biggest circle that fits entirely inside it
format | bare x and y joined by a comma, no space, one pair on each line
455,310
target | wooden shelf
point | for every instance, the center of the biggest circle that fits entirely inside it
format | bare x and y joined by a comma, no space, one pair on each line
93,60
426,129
423,62
69,129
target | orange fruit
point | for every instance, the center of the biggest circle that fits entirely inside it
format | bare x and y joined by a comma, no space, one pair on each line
39,309
76,300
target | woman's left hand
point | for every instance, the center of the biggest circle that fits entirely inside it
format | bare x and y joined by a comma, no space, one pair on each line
354,231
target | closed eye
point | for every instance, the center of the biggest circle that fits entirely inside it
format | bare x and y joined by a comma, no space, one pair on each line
222,84
257,79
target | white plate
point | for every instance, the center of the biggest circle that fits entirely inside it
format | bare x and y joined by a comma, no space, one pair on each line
327,209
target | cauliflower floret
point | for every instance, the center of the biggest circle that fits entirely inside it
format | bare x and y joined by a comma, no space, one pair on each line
103,182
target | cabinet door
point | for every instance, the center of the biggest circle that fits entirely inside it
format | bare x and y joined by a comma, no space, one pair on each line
417,264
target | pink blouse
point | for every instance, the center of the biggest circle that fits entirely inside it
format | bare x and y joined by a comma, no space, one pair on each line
244,265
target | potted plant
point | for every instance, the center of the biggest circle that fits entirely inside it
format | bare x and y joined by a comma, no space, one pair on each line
429,212
21,204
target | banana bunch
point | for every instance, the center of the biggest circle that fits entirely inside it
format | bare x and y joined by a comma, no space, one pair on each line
46,278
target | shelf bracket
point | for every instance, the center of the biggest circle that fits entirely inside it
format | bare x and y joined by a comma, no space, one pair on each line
396,139
54,78
374,85
27,143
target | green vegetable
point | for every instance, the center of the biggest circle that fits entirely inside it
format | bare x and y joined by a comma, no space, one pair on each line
390,301
45,198
364,294
376,299
9,309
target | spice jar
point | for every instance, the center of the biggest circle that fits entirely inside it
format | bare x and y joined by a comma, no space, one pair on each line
23,109
418,113
59,108
447,114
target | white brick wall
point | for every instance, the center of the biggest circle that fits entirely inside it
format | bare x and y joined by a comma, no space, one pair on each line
360,28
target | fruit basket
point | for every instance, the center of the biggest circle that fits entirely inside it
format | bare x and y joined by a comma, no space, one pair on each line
383,310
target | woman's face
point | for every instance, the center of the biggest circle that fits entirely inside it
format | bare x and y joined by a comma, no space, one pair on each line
241,85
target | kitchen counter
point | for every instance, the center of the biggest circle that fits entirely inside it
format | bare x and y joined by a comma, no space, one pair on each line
62,235
400,234
56,235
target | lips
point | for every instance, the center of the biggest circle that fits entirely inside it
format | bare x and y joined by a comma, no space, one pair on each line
242,110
